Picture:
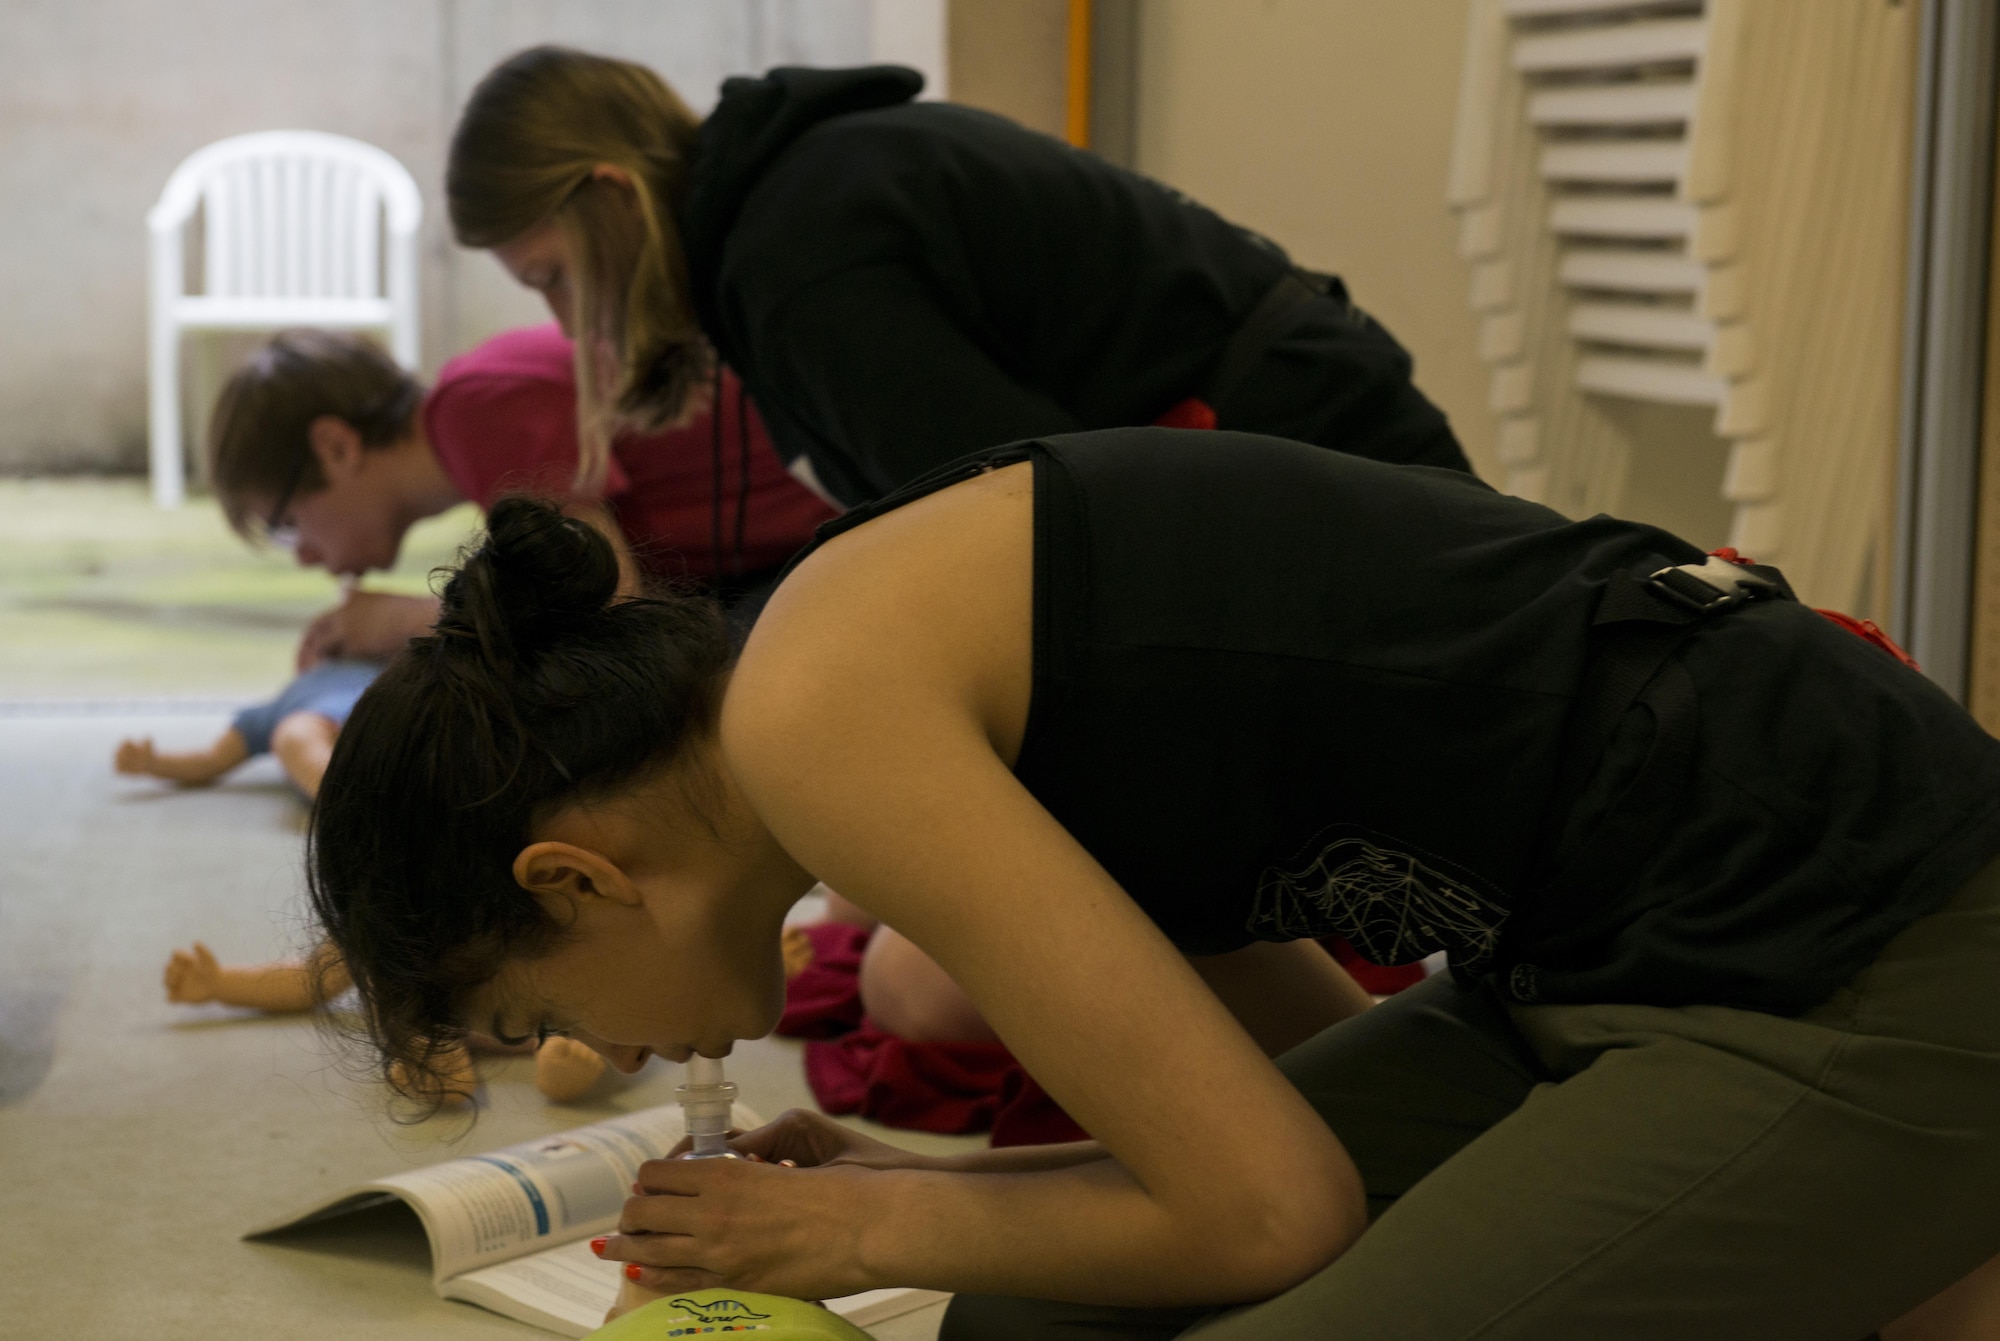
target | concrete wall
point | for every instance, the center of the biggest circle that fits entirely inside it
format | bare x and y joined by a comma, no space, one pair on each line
1326,124
100,100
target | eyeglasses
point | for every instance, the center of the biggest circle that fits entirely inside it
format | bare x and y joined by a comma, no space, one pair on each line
277,530
392,408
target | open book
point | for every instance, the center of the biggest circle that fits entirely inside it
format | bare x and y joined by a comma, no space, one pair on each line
510,1230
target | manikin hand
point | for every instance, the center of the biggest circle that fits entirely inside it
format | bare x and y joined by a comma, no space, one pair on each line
366,626
193,976
135,757
566,1069
452,1080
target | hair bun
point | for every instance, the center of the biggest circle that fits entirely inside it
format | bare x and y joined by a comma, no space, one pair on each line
537,576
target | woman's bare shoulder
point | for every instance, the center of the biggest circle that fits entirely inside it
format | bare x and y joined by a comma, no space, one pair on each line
927,604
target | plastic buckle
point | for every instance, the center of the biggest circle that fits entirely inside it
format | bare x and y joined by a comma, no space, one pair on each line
1711,585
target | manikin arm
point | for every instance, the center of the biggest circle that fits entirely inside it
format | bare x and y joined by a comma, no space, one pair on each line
194,976
191,768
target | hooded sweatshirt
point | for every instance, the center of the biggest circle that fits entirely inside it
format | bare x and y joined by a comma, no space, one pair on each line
902,283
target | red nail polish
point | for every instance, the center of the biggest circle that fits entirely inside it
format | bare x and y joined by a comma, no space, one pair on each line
631,1271
597,1246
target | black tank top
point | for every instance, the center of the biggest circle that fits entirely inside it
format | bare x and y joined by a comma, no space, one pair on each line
1282,692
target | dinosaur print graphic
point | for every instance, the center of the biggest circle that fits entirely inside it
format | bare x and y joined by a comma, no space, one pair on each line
719,1310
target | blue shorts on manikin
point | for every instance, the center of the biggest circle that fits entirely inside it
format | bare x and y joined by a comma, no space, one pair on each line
329,689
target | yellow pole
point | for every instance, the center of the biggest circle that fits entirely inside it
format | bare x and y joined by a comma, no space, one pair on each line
1077,122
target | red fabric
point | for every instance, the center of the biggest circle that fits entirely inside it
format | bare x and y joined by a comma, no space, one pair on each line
824,999
854,1067
947,1087
1194,412
1865,629
502,417
1375,979
1028,1116
943,1087
1868,631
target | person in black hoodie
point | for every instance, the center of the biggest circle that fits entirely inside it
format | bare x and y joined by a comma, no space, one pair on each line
899,283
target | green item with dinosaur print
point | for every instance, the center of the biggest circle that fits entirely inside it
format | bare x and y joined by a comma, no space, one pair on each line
722,1312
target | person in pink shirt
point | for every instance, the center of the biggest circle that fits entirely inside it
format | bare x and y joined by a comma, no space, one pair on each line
320,442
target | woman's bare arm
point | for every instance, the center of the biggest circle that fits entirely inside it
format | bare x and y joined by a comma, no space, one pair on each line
1283,994
872,724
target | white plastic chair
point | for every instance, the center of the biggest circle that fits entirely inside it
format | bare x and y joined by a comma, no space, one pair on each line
294,226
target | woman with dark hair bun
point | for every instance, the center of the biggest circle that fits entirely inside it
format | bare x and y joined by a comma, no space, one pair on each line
899,282
1112,725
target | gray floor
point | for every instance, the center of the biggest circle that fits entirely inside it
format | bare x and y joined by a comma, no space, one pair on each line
138,1139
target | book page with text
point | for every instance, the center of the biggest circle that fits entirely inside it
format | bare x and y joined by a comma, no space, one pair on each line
566,1289
482,1209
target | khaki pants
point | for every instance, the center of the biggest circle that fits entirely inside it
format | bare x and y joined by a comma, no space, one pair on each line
1608,1172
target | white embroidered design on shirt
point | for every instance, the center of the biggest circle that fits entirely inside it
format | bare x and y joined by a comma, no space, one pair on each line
1387,904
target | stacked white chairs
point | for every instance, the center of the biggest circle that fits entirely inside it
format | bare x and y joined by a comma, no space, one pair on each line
298,228
1687,210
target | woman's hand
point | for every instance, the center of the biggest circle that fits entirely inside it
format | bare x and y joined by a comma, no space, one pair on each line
633,1295
813,1140
746,1224
366,626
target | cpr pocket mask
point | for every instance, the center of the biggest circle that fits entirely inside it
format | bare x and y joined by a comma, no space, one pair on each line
769,1317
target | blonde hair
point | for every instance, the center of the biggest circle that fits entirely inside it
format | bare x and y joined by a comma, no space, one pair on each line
526,152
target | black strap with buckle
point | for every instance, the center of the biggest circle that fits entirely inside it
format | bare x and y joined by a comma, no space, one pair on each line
1639,623
1713,585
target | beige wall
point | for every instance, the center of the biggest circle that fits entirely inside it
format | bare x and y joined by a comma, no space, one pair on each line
1010,57
1327,125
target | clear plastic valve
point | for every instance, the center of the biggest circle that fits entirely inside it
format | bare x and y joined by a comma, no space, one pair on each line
705,1100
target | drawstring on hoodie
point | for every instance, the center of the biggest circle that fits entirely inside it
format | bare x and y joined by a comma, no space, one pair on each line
742,473
715,472
715,404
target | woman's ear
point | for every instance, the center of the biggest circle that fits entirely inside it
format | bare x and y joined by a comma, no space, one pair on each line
337,444
572,877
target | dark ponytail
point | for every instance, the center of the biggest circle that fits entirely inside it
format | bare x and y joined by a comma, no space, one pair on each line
537,688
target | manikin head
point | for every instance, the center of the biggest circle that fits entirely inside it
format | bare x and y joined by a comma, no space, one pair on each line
309,446
525,826
568,167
